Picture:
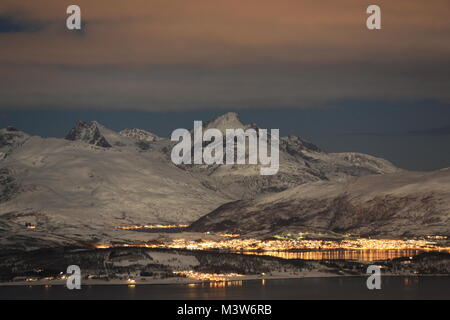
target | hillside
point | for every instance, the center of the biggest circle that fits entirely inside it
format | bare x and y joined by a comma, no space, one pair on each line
392,205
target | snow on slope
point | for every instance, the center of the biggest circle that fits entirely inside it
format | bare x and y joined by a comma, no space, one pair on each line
397,204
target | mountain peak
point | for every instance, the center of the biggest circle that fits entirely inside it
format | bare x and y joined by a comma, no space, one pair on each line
228,120
229,116
89,133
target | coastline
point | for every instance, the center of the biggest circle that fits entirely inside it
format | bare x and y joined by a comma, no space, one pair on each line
188,281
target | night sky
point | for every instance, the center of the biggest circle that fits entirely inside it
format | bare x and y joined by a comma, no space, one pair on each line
310,68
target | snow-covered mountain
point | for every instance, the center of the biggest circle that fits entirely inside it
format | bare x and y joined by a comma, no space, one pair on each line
96,178
397,204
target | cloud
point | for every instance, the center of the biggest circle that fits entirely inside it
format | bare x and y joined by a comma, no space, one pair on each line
155,55
12,24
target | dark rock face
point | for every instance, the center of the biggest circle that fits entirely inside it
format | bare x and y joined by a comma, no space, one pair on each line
143,145
11,137
89,133
8,185
140,135
5,140
294,145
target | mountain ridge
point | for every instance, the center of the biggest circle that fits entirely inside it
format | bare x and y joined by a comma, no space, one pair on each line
401,204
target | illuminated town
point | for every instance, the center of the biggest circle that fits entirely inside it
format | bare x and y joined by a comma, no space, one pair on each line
233,244
303,246
295,246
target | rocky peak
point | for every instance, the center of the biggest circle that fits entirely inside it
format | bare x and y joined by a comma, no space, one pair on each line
12,129
12,137
229,120
89,133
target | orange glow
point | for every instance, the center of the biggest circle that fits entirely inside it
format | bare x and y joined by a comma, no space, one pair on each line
225,235
102,246
156,226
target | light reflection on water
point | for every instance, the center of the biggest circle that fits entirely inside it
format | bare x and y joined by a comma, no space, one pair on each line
356,255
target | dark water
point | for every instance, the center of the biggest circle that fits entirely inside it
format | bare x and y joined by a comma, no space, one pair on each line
317,288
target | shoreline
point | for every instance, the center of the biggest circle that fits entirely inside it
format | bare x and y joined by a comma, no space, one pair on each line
186,281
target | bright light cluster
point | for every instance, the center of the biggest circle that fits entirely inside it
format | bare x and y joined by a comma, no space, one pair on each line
207,276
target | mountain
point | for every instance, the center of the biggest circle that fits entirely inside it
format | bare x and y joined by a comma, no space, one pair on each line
398,204
95,179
